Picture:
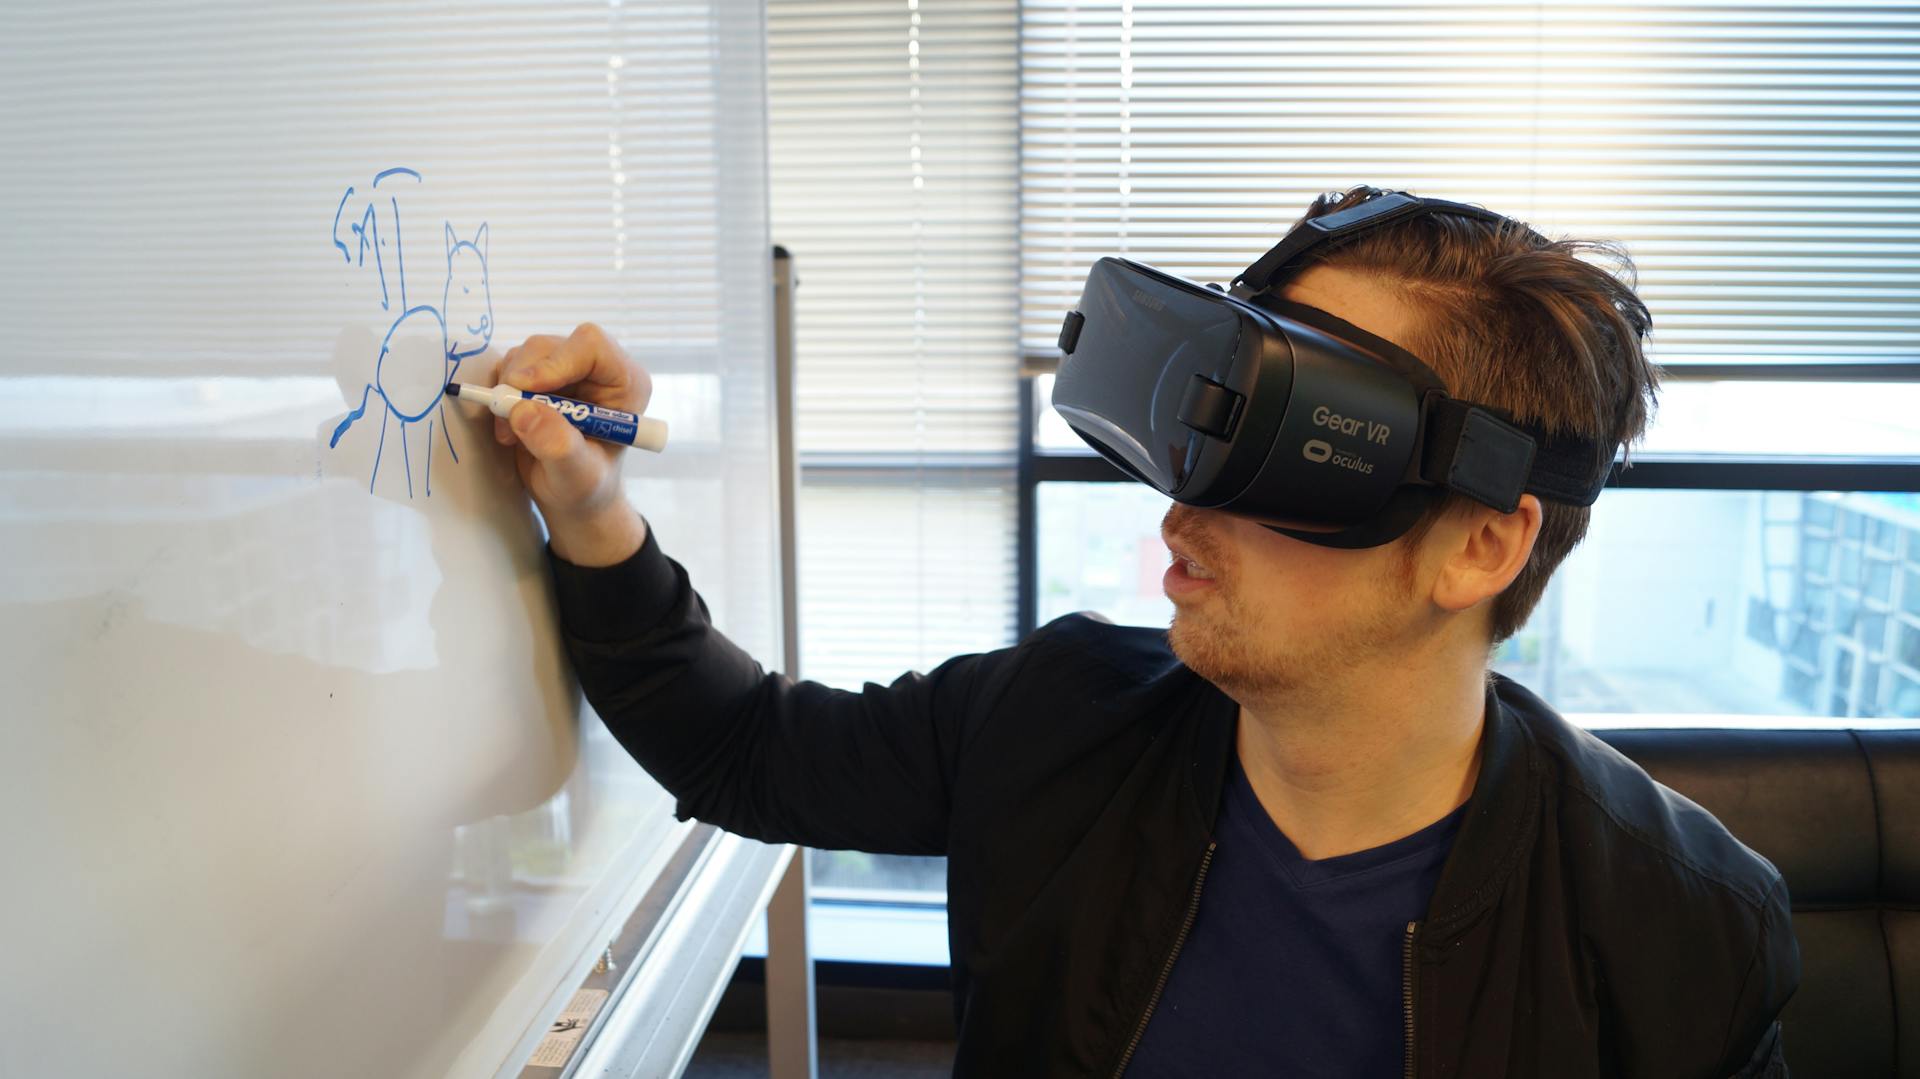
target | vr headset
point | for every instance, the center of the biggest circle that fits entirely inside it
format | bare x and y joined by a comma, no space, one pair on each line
1281,413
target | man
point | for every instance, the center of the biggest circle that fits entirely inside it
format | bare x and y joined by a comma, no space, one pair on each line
1304,831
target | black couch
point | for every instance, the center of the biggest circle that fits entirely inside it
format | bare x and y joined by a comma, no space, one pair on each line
1838,812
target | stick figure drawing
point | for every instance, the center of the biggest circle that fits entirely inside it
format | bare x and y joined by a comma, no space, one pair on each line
425,343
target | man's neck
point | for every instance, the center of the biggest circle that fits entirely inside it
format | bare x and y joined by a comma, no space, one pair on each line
1368,761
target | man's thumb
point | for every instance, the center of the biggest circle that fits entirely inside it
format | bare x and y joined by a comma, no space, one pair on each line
543,432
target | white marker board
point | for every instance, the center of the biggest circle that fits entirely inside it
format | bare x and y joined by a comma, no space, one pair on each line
293,777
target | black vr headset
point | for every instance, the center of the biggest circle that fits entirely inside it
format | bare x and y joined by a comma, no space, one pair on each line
1281,413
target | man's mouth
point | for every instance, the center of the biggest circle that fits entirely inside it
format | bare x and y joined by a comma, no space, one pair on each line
1188,565
1194,569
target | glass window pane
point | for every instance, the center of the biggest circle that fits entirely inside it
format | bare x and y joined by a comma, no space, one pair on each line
1738,619
900,570
1099,549
918,878
903,569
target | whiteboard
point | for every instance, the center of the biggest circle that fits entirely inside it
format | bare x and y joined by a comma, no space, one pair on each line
294,779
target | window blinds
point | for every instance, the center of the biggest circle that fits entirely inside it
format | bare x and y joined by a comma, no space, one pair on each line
893,147
1761,161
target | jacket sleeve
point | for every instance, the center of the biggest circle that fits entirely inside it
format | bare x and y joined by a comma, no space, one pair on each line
1756,1049
757,753
1769,1058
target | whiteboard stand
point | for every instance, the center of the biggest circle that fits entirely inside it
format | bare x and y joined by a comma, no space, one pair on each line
792,1051
665,970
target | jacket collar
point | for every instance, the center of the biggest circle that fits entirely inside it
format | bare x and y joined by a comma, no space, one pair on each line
1502,813
1209,752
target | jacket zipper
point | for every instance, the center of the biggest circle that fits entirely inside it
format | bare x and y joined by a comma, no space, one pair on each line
1406,990
1193,908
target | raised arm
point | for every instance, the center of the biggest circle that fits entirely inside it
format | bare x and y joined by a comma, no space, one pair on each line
757,753
750,751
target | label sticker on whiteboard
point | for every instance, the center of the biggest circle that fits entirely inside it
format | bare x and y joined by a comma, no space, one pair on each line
565,1034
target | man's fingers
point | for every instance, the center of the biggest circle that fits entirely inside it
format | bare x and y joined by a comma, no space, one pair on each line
587,364
541,430
526,366
573,469
590,357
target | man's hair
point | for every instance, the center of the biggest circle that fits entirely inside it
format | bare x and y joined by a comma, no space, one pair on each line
1510,319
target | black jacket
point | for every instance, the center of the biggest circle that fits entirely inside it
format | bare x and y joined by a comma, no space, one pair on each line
1588,921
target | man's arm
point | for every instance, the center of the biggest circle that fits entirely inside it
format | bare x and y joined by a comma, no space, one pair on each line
751,752
1755,1047
755,752
1769,1058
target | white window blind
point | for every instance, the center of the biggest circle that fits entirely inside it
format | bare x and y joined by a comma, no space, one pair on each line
894,141
900,571
1761,161
893,147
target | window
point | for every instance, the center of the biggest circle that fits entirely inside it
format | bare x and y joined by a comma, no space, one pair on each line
894,140
946,171
1632,621
1756,160
1741,154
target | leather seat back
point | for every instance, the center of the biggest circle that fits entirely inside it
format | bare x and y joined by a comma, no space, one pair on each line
1838,813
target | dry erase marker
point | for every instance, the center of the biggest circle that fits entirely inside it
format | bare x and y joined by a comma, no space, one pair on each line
594,421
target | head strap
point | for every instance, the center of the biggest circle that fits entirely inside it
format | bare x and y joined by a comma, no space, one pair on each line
1474,449
1386,206
1483,454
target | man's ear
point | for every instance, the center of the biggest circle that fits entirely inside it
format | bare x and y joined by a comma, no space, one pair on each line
1485,551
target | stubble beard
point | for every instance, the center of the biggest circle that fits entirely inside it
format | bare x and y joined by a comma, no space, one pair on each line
1220,640
1224,639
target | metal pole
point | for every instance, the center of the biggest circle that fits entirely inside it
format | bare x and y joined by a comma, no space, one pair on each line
792,1049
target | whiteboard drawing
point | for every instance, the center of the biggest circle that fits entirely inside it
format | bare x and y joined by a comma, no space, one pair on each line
424,344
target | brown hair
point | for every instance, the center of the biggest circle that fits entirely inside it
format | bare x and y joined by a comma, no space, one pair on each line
1512,320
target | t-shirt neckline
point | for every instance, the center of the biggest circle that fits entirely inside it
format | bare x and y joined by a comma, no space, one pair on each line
1429,841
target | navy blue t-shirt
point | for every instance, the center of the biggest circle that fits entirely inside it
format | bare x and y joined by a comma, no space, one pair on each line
1292,967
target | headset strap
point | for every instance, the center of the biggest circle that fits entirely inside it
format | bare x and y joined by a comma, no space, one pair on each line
1471,449
1313,232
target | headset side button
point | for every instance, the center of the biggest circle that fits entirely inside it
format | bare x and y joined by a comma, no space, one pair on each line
1070,331
1209,408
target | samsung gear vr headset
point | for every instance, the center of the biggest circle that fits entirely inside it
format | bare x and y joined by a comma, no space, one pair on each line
1279,412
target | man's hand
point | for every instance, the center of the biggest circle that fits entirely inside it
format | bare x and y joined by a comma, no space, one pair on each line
575,480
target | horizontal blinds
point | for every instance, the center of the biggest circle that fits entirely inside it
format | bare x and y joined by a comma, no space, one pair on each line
1761,161
901,572
893,146
893,149
166,148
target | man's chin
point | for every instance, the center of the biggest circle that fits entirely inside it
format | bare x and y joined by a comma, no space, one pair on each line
1196,643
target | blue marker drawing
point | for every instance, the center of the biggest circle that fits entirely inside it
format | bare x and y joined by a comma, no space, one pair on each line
469,312
369,236
344,253
423,347
384,173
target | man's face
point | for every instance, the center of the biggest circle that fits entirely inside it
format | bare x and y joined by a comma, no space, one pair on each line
1279,614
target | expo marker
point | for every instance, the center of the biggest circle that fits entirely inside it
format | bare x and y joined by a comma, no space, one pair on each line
594,421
